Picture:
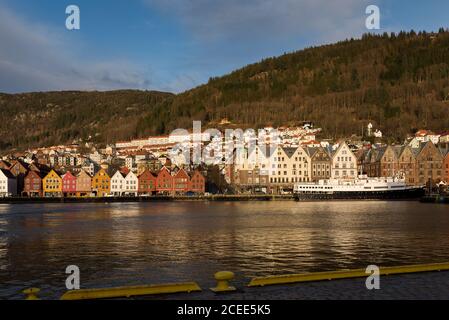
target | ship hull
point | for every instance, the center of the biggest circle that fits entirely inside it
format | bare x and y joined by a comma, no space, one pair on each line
411,193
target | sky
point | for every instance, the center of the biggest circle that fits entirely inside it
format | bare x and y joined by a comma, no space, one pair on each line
176,45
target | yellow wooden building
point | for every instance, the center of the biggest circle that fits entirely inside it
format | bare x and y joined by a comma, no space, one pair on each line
52,185
101,184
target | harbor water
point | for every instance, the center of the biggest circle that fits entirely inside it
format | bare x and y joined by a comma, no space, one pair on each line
163,242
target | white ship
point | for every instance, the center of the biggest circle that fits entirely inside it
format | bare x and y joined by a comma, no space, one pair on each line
361,188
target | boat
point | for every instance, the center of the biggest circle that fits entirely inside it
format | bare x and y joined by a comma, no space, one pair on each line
362,187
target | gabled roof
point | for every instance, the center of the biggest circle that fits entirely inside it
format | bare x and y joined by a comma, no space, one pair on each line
146,173
289,151
379,153
69,175
7,174
119,173
398,150
36,173
18,162
83,172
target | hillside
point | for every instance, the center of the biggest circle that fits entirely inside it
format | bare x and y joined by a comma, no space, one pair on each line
400,82
42,119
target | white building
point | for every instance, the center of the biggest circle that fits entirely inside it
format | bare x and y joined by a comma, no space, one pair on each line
290,165
118,183
131,184
344,163
8,184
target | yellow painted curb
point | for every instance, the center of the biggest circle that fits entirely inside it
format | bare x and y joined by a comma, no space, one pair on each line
344,274
126,292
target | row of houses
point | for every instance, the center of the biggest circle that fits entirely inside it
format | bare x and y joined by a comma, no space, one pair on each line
426,163
102,184
275,170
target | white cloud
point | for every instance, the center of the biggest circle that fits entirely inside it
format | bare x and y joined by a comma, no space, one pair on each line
255,20
34,58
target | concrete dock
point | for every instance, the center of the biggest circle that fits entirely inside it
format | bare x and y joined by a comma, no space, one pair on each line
417,286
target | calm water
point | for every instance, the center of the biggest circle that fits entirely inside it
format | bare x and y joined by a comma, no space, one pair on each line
128,244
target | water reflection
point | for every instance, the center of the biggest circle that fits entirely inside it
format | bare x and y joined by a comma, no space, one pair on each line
117,244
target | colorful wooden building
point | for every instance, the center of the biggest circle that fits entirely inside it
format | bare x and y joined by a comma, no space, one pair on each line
83,184
69,184
33,184
181,182
8,184
197,183
101,184
164,184
19,169
147,183
52,184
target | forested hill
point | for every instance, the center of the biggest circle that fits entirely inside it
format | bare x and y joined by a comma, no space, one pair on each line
399,82
48,118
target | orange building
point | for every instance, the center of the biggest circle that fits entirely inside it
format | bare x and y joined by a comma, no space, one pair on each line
101,184
52,184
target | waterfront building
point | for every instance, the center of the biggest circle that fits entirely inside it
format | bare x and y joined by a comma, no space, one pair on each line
52,184
19,169
289,166
68,184
83,184
131,184
118,184
249,169
383,161
33,184
344,163
321,163
101,184
8,184
164,181
429,164
407,165
181,182
147,183
198,183
256,179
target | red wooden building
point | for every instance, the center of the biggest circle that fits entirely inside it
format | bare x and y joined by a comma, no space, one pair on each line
147,182
164,181
181,182
197,183
69,184
33,184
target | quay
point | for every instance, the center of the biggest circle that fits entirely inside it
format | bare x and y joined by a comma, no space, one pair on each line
413,282
413,286
435,199
18,200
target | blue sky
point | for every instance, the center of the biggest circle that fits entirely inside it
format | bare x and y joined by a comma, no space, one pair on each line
175,45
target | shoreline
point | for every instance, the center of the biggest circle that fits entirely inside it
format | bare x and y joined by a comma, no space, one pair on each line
212,198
